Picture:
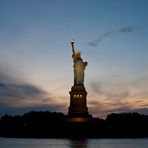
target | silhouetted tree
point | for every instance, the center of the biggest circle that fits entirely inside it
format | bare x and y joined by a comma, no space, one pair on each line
52,124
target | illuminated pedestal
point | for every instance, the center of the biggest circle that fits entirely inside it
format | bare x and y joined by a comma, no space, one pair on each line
78,111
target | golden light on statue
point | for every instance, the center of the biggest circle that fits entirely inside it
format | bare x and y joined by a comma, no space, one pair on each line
78,111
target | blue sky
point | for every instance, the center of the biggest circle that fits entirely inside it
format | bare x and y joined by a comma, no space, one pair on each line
35,54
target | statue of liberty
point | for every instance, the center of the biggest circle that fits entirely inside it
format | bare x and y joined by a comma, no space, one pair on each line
79,67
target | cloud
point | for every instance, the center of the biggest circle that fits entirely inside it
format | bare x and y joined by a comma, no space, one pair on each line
13,92
108,98
102,108
6,109
127,29
17,98
141,110
95,42
124,29
20,91
115,91
118,96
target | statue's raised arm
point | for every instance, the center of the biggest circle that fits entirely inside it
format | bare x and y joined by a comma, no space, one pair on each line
72,45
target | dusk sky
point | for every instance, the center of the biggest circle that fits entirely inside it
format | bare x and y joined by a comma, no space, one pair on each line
36,67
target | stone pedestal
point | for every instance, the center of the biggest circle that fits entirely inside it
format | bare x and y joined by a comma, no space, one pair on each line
78,111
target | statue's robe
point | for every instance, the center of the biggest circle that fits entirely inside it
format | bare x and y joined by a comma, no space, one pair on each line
79,67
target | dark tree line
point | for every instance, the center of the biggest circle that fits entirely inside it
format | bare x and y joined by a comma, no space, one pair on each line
52,124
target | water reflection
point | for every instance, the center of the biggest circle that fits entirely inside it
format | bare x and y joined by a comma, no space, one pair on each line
73,143
78,143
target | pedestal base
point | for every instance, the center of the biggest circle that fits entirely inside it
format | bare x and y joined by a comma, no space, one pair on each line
78,111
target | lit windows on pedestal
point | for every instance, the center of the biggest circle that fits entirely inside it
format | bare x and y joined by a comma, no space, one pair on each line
77,96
